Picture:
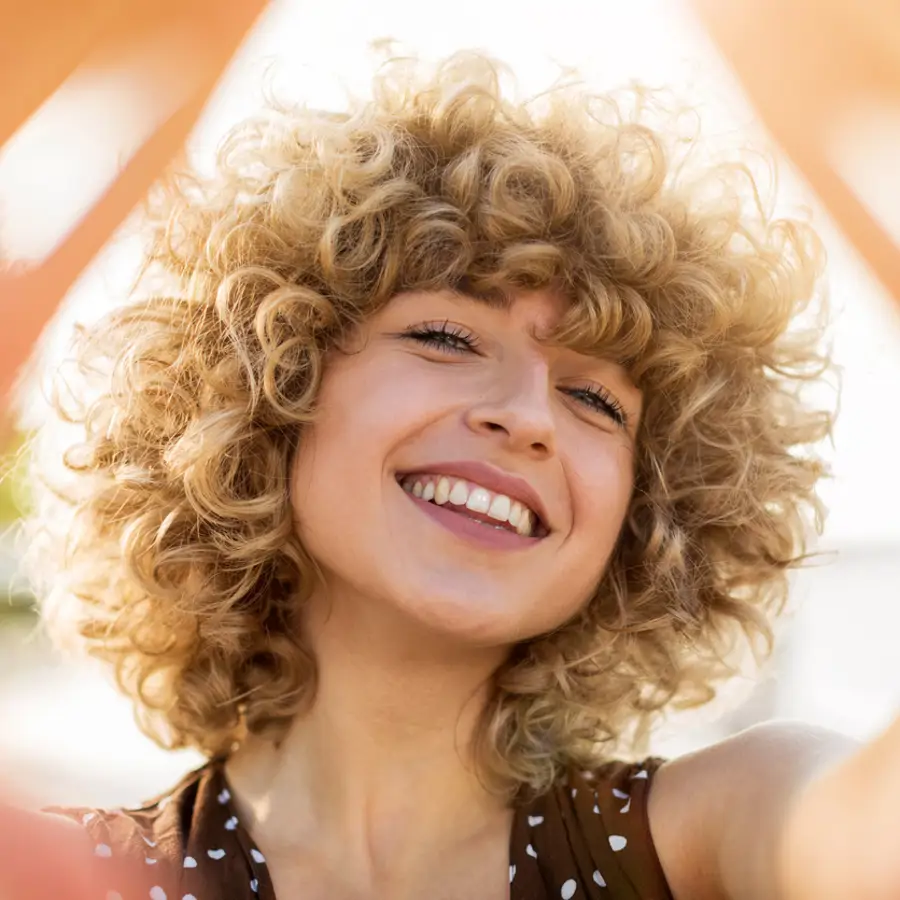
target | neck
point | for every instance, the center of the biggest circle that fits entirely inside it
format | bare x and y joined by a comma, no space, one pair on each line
379,776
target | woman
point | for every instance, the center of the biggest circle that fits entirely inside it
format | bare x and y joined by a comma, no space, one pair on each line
454,440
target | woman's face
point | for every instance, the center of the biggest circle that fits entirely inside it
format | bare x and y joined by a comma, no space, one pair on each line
462,474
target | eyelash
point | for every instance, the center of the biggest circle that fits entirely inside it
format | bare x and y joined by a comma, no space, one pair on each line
443,336
601,401
450,338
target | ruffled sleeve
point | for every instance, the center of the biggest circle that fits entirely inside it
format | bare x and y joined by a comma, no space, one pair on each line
126,853
187,845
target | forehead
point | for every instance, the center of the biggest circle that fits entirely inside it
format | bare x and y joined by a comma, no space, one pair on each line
540,313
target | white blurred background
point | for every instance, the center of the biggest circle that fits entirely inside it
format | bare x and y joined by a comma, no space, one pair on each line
61,723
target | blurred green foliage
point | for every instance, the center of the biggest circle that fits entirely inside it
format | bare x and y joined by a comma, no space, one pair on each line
13,479
16,601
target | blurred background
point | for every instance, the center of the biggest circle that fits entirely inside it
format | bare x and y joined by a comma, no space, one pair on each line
63,726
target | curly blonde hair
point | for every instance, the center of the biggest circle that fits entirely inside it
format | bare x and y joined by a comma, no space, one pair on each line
165,541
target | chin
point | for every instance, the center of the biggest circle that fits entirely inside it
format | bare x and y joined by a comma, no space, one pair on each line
476,610
470,626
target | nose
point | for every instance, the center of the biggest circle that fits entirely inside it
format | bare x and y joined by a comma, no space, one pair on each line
518,412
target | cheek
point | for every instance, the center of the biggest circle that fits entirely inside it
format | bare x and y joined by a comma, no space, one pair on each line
602,493
369,406
607,479
331,490
344,457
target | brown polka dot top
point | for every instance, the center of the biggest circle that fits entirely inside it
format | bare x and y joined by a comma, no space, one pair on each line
586,839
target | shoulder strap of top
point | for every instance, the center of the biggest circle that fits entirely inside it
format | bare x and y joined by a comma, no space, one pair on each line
590,837
621,793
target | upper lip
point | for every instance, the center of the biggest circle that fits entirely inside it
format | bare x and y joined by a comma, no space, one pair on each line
493,479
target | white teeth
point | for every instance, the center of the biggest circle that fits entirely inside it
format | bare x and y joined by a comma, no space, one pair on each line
459,494
473,497
524,526
442,491
479,500
499,508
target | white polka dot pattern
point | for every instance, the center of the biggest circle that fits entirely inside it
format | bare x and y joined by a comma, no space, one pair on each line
587,839
603,816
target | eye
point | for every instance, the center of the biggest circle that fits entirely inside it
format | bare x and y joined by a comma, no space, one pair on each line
598,399
444,336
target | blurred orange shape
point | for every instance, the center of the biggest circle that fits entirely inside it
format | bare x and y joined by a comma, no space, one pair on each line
810,67
178,49
46,857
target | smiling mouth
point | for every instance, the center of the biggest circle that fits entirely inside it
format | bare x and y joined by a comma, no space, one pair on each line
474,502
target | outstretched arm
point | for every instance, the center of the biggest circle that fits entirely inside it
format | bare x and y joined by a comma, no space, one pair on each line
733,821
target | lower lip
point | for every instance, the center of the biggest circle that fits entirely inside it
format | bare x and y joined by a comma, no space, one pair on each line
472,531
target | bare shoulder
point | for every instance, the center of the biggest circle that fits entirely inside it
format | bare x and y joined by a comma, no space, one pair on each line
714,813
